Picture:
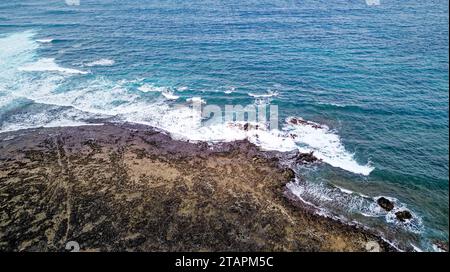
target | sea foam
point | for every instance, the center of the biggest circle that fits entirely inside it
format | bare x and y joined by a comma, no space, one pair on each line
100,62
44,40
49,65
116,99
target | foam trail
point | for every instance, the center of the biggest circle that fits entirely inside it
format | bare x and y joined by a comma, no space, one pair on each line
170,95
48,65
45,40
101,62
229,91
182,88
266,95
16,50
325,144
332,198
146,88
196,100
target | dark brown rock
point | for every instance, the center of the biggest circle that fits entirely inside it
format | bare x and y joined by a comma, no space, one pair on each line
299,121
130,188
306,158
289,174
403,215
385,203
246,126
442,245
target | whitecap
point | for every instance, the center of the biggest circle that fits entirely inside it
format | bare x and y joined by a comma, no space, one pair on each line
346,191
266,95
230,91
182,88
48,65
326,145
100,62
45,40
170,95
196,100
146,88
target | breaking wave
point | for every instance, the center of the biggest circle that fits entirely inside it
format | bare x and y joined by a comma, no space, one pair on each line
101,96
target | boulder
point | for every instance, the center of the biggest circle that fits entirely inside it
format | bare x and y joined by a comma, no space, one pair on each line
403,215
385,203
299,121
305,158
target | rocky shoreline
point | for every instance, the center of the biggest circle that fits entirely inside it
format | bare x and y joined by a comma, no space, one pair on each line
132,188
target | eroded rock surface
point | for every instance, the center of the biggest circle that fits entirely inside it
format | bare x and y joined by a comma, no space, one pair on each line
128,187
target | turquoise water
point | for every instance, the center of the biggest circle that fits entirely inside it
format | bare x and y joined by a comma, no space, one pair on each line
375,78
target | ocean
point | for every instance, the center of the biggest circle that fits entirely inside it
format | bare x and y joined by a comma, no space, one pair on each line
370,82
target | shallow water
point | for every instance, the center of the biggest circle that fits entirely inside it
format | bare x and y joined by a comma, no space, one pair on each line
374,77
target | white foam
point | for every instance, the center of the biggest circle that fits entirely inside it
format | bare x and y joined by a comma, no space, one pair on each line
332,104
182,88
413,225
231,90
326,145
16,50
416,248
45,118
100,62
102,96
196,100
18,46
435,248
146,88
5,100
170,95
268,94
45,40
166,92
332,198
48,65
346,191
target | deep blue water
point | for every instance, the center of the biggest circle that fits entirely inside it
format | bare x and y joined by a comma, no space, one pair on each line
376,76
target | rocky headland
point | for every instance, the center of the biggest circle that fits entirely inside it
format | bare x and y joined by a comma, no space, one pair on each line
131,188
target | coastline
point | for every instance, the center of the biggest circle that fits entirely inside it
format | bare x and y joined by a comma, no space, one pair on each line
127,187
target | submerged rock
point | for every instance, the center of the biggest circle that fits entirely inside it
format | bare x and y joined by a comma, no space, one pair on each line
403,215
305,158
300,121
246,126
385,203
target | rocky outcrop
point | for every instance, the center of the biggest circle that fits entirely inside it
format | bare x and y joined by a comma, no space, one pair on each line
403,215
300,121
385,203
306,158
441,245
128,187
